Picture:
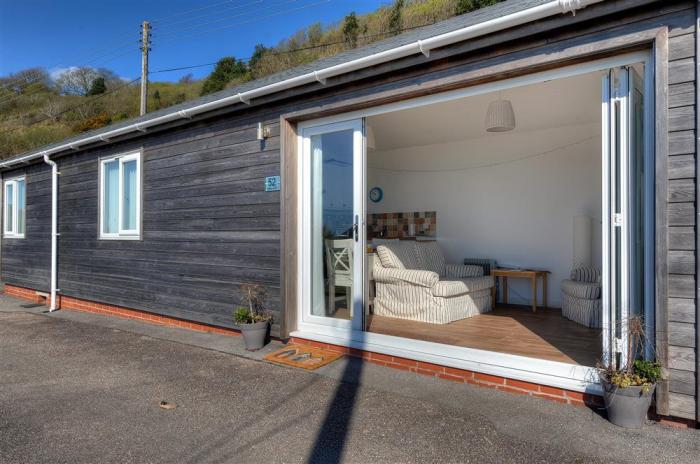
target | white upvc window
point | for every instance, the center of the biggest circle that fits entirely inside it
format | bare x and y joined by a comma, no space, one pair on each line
120,197
14,207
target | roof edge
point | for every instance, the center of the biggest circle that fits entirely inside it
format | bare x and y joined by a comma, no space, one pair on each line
423,46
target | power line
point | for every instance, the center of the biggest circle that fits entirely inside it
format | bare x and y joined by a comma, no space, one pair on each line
296,50
218,20
258,18
204,7
192,18
72,107
93,55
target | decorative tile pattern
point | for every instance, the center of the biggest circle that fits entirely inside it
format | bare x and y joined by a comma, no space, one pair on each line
396,225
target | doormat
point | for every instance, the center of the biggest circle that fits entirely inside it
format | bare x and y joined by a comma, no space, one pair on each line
304,357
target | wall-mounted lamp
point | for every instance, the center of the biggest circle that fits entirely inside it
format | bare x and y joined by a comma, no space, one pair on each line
263,131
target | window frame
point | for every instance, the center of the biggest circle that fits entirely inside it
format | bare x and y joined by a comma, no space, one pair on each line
7,233
121,234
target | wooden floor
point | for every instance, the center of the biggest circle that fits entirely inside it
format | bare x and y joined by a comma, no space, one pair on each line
515,330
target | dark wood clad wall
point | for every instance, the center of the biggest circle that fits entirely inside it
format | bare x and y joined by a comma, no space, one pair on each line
681,216
208,225
27,262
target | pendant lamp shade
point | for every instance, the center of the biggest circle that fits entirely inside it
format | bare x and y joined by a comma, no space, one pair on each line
500,116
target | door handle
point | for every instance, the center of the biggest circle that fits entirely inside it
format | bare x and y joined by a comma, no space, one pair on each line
356,228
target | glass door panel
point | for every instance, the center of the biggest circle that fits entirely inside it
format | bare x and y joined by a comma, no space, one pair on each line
626,213
333,164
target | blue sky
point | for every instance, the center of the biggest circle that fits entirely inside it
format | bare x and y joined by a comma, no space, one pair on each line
58,34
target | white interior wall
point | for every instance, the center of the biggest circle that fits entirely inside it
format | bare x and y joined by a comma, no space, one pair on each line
509,196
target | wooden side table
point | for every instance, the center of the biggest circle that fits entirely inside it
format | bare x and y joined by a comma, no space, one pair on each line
531,274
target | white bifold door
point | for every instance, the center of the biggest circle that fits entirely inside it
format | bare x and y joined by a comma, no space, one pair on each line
628,214
332,229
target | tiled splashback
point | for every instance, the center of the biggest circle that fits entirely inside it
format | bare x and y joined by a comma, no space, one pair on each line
395,225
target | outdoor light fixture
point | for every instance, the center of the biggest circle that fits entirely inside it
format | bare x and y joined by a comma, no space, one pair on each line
263,131
500,116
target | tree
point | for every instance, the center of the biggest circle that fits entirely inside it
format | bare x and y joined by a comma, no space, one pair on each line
97,87
466,6
395,21
76,81
227,69
156,97
351,28
314,34
256,59
186,79
26,80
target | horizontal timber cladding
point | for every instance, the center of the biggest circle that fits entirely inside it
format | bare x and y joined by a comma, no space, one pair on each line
208,224
681,213
26,262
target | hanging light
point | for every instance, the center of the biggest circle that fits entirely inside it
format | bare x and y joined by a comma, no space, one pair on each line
500,116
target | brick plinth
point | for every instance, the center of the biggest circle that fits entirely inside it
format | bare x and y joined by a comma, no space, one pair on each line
77,304
464,376
518,387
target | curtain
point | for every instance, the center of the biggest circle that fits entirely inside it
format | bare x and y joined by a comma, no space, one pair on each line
318,299
110,207
129,191
20,206
9,206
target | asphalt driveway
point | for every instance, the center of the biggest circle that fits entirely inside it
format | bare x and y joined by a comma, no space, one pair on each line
86,388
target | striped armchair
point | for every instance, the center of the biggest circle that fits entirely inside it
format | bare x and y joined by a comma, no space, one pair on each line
581,297
414,282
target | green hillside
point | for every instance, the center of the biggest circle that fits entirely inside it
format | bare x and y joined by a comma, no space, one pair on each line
36,110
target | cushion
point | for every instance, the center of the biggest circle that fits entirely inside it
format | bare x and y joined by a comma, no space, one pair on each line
430,257
585,290
398,255
454,287
586,274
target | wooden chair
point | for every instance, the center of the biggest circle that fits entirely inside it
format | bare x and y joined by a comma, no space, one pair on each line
339,267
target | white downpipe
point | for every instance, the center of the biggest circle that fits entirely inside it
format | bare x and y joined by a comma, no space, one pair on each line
420,46
54,228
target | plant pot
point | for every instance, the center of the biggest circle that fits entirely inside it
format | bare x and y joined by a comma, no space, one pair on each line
627,407
254,335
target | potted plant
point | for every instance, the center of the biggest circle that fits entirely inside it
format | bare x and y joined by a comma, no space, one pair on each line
251,317
628,387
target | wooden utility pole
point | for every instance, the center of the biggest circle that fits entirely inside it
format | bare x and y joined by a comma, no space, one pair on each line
145,48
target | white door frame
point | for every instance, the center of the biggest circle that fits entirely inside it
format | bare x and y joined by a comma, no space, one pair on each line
563,375
305,134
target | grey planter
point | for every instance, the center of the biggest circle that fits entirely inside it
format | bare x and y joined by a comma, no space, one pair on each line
254,335
627,407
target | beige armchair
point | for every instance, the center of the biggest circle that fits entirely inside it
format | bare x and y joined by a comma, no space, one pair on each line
414,282
581,297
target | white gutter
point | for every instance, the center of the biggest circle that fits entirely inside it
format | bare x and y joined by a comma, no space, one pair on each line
54,228
421,46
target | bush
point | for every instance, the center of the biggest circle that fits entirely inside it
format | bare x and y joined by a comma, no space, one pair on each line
648,370
95,122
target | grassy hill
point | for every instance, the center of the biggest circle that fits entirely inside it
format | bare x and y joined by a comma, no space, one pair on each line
36,110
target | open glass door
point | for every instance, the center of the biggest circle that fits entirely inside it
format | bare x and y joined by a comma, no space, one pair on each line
627,212
332,231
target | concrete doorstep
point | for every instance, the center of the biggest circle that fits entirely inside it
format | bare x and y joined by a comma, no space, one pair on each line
82,387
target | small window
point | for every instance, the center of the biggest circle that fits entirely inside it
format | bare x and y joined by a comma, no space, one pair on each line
120,197
14,207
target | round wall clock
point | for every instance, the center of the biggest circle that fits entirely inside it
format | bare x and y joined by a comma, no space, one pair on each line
376,194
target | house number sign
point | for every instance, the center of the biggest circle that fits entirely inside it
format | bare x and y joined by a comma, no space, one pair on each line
272,184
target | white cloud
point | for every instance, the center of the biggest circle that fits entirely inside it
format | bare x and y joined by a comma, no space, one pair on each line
55,73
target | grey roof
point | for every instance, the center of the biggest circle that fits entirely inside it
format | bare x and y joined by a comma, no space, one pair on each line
448,25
